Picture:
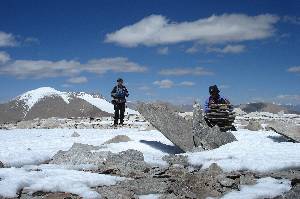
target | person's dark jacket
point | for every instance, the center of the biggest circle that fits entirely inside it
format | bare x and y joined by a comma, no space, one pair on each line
119,94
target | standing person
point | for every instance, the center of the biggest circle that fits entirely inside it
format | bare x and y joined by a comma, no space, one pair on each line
119,94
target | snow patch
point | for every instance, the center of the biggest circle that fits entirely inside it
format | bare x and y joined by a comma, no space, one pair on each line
257,151
32,97
53,180
265,188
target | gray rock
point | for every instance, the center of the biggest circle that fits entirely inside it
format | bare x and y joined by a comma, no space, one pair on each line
80,154
116,192
1,165
184,133
253,125
75,134
206,137
129,163
118,139
287,129
247,179
176,159
168,122
226,182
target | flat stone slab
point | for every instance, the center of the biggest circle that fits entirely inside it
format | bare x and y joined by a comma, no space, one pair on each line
286,129
177,129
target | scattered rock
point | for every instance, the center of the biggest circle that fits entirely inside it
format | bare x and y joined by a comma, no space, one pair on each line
118,139
75,134
253,125
247,179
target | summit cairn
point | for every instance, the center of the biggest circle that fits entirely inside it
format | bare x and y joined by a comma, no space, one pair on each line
185,134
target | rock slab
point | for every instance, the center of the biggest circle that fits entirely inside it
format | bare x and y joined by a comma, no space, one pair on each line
184,133
287,129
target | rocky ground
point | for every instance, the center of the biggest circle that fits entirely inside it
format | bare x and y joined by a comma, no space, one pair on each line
178,178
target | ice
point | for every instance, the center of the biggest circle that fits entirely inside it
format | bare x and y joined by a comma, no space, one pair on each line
265,188
255,150
52,180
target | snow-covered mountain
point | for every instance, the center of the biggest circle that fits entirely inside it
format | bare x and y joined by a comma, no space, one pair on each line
47,102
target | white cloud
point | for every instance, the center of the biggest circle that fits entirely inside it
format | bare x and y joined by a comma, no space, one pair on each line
144,88
7,39
291,19
166,83
157,29
199,71
46,69
192,49
187,83
290,97
227,49
163,51
117,64
31,40
294,69
224,86
4,57
77,80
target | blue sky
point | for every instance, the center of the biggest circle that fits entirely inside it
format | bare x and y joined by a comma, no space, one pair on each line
164,50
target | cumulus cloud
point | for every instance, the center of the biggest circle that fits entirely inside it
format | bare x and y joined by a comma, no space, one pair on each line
4,57
166,83
77,80
294,69
72,68
7,39
163,51
227,49
199,71
187,83
157,29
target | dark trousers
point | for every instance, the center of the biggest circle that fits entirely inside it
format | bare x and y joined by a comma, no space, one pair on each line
119,112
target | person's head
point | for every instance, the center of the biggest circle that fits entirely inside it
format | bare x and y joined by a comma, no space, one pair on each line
120,81
214,91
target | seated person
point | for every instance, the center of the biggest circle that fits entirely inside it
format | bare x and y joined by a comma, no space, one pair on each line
214,98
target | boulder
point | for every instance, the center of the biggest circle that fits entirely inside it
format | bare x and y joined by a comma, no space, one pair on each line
80,154
118,139
177,129
1,165
253,125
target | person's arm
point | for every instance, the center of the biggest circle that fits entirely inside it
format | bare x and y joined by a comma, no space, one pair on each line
126,92
113,92
206,106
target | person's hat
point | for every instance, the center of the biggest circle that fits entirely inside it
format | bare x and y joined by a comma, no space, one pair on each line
119,80
213,89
